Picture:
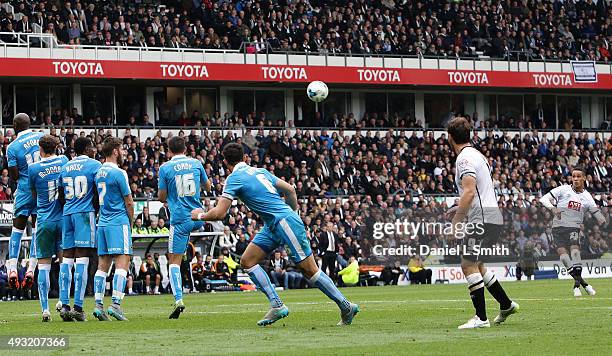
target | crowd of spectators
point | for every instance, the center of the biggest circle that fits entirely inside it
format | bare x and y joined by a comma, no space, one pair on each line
571,29
337,177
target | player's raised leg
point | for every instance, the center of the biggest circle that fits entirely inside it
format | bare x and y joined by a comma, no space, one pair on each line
293,234
250,263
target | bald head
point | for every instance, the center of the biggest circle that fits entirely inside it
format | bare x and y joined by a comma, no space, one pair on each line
21,122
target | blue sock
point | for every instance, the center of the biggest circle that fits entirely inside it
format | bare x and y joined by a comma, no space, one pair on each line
99,286
65,280
15,243
43,285
262,281
176,282
80,280
119,285
327,286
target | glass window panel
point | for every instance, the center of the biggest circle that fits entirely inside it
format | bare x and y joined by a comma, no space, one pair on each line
304,110
437,109
402,105
570,112
510,109
243,102
334,107
375,105
270,106
202,100
130,102
97,101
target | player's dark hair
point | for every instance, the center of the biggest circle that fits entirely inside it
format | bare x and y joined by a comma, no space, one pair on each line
109,145
48,144
579,168
459,129
176,144
233,153
21,122
81,145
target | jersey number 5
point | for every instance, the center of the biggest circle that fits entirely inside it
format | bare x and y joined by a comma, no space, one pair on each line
185,185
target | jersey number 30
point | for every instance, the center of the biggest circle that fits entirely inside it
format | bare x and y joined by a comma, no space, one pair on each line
76,187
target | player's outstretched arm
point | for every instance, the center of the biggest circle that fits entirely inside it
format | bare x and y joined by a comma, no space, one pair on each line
214,214
289,193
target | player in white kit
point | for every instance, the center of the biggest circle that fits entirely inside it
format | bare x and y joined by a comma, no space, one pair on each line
478,207
569,203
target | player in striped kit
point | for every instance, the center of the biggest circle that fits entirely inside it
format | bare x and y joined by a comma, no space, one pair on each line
569,204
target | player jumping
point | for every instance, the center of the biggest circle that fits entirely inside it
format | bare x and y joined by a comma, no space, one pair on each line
569,203
477,205
259,190
44,181
113,237
21,153
180,181
78,192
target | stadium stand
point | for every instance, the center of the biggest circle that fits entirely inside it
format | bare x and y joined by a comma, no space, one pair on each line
535,30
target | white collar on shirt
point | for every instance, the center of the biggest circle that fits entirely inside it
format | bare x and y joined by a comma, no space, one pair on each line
240,165
24,132
178,157
112,164
83,157
48,158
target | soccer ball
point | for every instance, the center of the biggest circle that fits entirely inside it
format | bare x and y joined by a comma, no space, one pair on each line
317,91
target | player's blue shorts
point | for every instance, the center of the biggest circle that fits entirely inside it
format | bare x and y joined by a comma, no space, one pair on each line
179,235
288,231
79,230
48,239
114,240
25,205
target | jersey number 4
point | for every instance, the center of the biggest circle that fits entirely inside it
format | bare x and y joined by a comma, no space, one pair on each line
185,185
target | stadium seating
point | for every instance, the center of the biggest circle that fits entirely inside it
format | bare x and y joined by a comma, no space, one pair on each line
534,30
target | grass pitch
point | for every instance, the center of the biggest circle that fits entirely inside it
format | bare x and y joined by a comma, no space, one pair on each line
394,320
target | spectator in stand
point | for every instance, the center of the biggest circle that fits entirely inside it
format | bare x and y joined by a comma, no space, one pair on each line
278,270
154,229
228,239
144,217
163,229
221,269
417,273
242,244
350,274
149,273
164,213
198,272
294,275
139,228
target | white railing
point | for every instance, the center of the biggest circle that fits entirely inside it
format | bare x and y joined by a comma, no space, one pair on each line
144,133
45,46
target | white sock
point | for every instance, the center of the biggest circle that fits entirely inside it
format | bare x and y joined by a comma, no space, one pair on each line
11,265
131,291
148,289
32,265
156,290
